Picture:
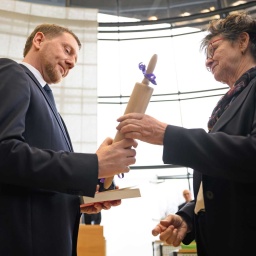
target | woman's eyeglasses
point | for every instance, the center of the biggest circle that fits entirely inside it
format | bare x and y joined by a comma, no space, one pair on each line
210,49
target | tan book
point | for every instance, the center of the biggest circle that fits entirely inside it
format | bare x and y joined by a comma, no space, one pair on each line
110,195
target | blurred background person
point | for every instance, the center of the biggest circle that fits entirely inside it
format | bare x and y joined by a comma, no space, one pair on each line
91,219
187,196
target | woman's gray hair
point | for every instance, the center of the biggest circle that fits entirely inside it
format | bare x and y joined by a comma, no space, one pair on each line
230,28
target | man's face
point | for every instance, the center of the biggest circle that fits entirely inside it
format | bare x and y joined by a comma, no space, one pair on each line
187,195
57,56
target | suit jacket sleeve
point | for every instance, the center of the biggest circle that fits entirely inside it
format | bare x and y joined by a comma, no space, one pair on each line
24,164
214,154
187,213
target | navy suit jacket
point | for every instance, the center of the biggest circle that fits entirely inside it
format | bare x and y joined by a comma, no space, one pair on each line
41,177
225,161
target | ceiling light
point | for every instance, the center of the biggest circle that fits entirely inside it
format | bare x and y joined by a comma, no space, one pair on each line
185,14
204,10
152,18
238,3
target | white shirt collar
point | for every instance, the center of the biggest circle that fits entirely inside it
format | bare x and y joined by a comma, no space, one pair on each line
35,72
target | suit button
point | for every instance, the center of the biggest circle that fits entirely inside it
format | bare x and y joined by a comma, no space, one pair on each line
209,194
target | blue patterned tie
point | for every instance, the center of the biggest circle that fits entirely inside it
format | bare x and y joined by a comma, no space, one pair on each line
50,96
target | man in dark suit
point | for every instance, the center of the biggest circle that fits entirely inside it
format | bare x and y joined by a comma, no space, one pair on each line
41,178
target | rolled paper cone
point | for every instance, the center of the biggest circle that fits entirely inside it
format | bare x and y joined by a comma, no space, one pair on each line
137,103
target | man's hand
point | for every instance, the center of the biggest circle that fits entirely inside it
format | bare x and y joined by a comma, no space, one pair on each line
115,158
172,230
142,127
97,207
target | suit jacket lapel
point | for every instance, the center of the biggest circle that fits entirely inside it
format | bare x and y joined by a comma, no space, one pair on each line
56,114
231,111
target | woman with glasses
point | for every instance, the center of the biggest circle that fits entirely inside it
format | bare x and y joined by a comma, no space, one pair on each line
222,216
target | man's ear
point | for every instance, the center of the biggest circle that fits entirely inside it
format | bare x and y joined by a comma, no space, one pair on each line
38,39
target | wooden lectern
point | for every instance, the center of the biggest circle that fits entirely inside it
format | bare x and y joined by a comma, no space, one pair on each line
91,241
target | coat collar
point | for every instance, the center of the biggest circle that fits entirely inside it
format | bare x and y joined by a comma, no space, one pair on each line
231,111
